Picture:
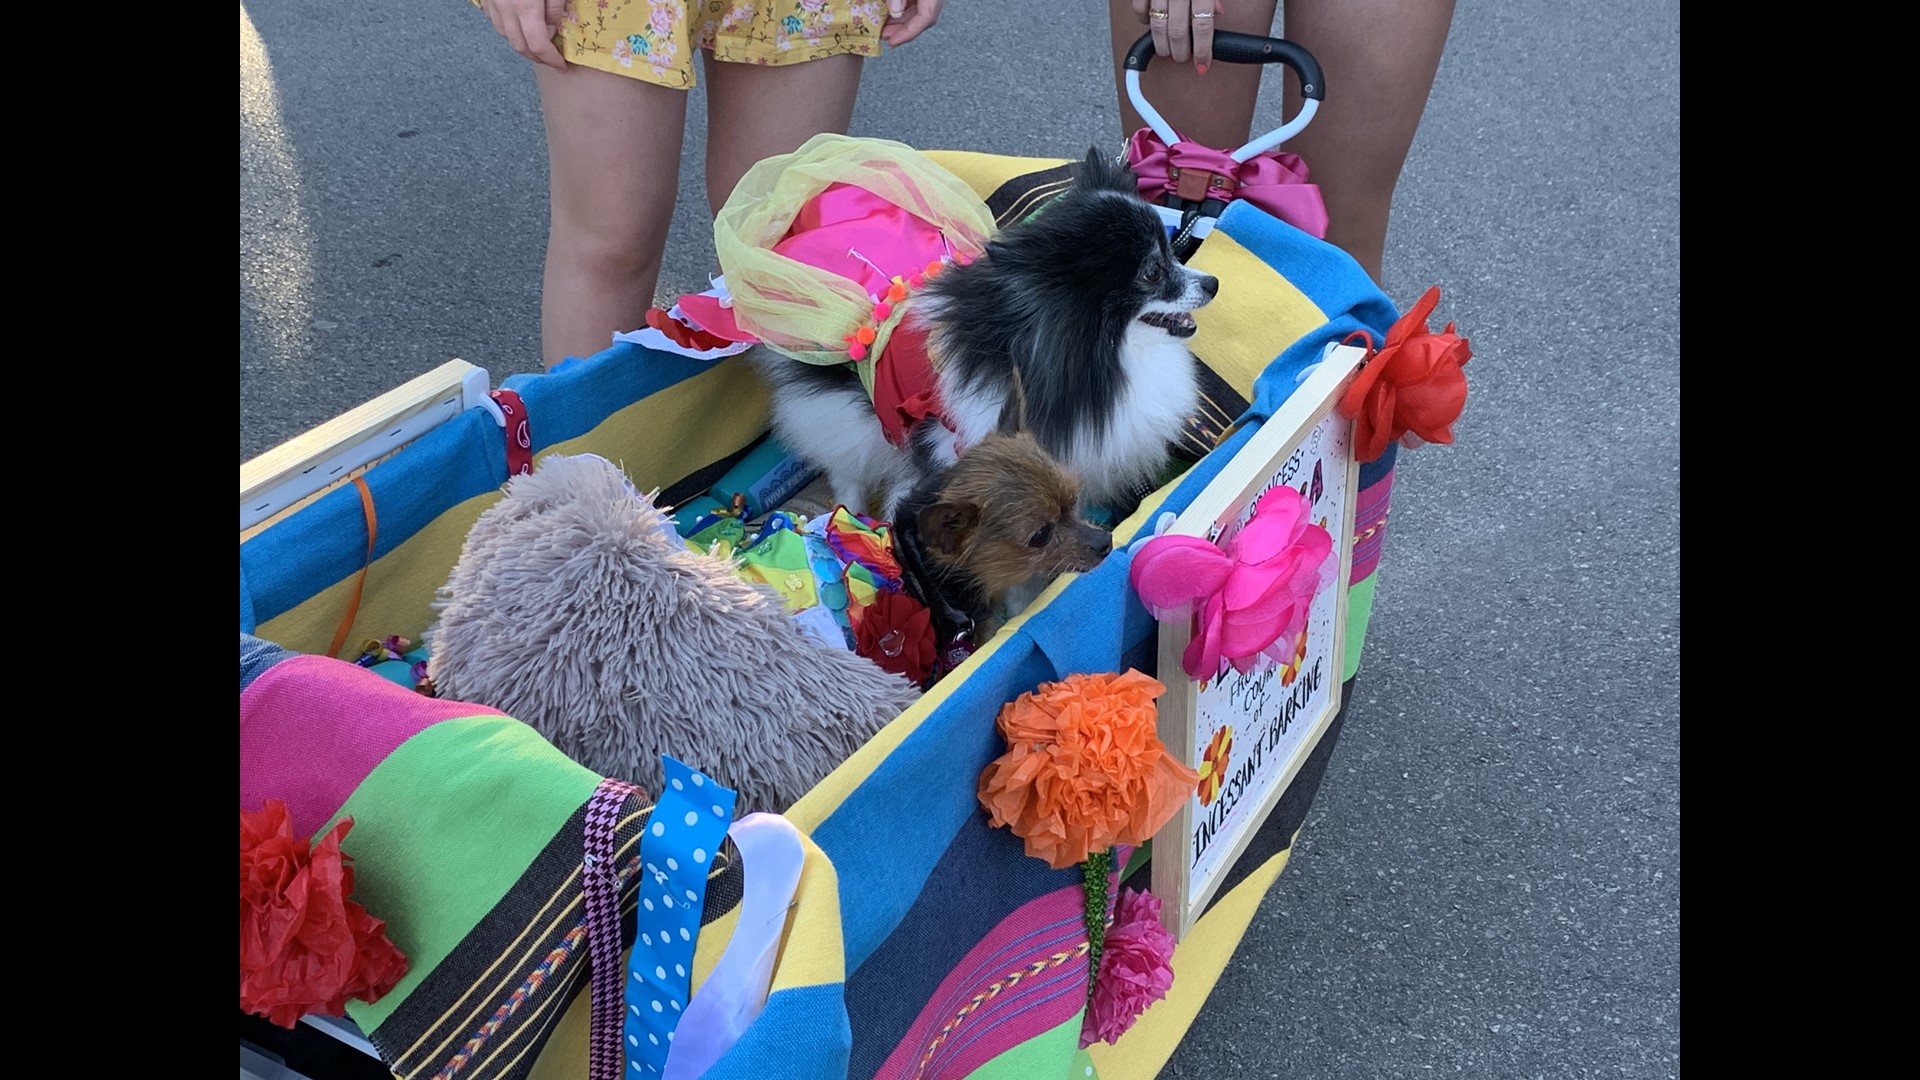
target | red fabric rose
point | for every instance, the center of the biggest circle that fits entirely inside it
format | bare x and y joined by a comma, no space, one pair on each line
304,947
1412,384
896,632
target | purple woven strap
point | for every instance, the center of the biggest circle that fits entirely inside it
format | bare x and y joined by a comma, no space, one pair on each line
601,882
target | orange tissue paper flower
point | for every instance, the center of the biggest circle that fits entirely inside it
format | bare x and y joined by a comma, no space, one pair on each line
1084,768
1413,385
304,947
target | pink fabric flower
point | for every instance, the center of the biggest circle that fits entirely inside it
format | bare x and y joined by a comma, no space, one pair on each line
1252,597
1136,969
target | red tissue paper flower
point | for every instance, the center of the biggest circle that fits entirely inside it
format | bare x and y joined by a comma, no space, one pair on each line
304,947
896,632
1413,384
1136,969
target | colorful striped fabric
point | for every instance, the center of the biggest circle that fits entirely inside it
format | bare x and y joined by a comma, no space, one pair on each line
468,836
923,944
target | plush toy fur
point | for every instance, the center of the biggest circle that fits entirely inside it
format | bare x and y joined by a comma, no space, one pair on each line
574,609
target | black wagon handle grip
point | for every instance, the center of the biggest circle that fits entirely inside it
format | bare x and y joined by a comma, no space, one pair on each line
1236,49
1231,47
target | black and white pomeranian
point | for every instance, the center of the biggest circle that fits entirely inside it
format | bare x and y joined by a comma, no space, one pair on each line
1084,300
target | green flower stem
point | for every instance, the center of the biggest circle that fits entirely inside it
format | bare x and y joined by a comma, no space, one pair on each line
1097,868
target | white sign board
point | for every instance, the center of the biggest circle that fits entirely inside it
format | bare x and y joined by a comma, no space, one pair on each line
1247,734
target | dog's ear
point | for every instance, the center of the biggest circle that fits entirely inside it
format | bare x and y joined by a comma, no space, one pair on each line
1013,415
1104,171
945,526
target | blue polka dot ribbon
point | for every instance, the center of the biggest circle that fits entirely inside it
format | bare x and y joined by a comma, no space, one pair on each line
687,827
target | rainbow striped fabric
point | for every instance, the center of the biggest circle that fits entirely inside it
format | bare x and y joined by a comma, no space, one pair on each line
924,944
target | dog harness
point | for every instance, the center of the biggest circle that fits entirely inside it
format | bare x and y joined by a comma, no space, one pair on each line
905,388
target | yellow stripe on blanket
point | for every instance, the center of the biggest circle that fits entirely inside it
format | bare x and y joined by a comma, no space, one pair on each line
812,953
658,440
661,439
984,173
1197,963
399,593
825,797
1256,317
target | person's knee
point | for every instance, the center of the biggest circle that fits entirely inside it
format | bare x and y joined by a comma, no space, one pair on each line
609,253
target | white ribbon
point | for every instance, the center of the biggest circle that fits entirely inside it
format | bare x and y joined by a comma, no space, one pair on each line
771,854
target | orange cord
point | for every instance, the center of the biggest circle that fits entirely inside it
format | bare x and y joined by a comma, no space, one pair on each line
353,605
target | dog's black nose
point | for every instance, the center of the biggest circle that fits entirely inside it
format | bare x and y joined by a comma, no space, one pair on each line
1099,541
1209,285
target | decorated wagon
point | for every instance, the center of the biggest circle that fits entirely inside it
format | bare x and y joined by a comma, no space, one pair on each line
926,910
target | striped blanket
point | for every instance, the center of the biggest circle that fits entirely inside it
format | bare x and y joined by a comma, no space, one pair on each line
923,944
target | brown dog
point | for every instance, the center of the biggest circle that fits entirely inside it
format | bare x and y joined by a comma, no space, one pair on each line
1003,516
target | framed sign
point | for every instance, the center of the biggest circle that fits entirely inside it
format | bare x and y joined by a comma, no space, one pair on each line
1248,733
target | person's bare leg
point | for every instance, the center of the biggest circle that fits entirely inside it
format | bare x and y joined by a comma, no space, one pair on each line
613,151
756,111
1379,57
1215,109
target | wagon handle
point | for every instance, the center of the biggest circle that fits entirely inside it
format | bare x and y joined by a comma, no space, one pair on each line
1235,48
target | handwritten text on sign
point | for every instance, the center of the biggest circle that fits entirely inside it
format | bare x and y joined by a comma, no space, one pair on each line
1250,727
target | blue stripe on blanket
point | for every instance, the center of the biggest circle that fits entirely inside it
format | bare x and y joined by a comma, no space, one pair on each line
982,878
801,1035
462,458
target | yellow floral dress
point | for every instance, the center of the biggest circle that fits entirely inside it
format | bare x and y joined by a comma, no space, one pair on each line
654,40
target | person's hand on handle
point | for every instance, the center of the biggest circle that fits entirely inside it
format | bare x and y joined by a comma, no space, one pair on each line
1182,29
529,26
907,19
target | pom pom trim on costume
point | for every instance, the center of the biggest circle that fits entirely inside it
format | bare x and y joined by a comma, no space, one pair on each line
884,307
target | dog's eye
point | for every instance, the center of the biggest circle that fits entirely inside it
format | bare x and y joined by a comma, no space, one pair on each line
1152,274
1040,538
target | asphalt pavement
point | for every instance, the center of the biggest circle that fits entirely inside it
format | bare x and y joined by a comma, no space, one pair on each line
1489,882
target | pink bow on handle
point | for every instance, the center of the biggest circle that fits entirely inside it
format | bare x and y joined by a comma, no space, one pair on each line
1274,181
1252,597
